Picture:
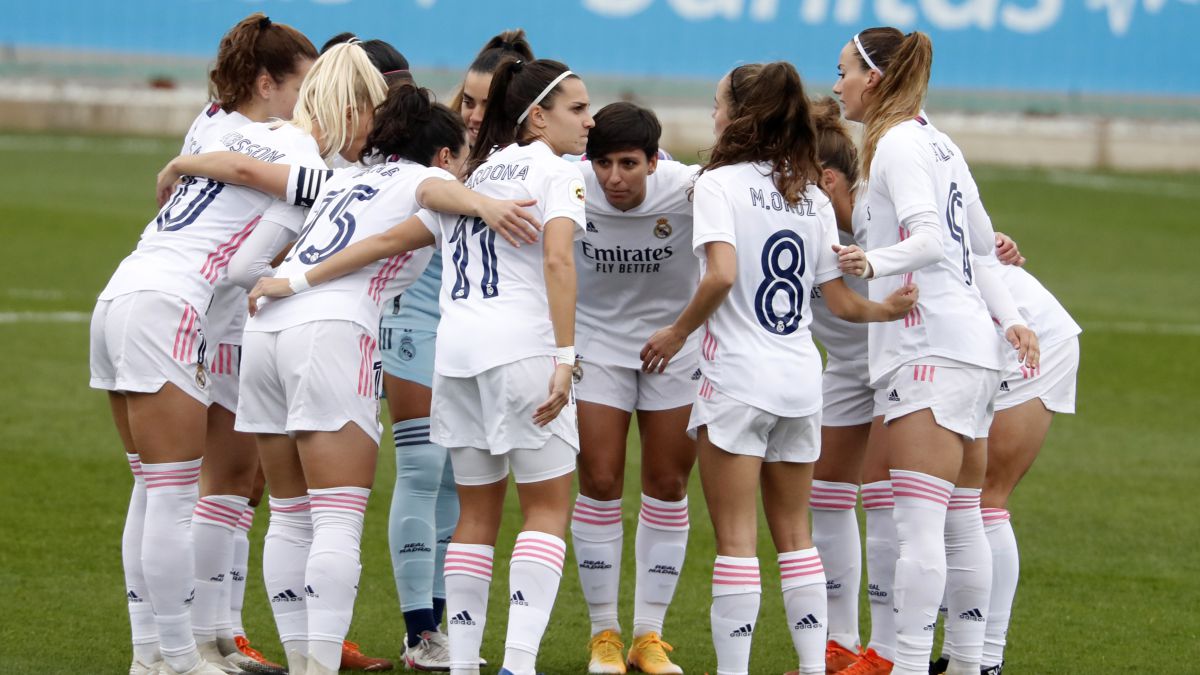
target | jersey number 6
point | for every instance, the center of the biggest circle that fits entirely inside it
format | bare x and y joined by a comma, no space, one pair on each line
781,277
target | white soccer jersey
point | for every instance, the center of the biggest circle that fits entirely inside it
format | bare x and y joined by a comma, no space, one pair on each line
842,340
354,204
209,125
1043,313
493,299
756,346
635,270
185,250
919,169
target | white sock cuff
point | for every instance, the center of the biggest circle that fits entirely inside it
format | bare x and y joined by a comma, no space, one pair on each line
172,474
246,519
801,568
994,517
293,512
735,576
920,490
833,496
595,520
877,495
540,548
663,515
350,500
473,560
222,511
135,466
965,499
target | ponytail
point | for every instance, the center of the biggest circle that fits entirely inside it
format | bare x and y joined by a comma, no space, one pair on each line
835,148
254,45
770,122
411,125
342,80
905,63
516,84
510,43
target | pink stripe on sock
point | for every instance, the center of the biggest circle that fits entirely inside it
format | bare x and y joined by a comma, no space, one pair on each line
992,516
727,566
524,556
292,508
665,511
919,486
677,522
218,506
523,547
202,512
468,565
597,510
593,521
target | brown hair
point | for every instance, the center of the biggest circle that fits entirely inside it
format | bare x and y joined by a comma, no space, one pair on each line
515,85
835,148
624,126
411,125
509,43
770,122
254,45
905,62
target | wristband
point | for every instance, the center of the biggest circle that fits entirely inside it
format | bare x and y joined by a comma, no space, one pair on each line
299,283
565,356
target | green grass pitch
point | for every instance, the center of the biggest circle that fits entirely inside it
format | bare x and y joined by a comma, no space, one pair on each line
1108,521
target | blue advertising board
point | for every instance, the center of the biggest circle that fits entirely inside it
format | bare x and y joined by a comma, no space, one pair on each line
1068,46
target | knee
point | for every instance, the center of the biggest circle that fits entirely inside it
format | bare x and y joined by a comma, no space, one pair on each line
665,486
601,485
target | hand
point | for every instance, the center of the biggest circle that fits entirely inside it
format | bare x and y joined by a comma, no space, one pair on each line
853,260
1025,341
165,185
1006,251
661,348
901,301
510,220
560,395
268,287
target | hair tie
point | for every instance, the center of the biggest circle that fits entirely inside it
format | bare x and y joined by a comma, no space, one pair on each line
550,87
353,40
264,23
733,85
398,70
863,52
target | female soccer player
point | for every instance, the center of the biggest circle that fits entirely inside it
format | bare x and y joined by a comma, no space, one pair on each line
490,403
635,276
259,68
424,501
766,234
937,369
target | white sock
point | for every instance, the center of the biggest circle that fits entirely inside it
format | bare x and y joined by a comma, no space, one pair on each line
237,575
835,534
882,553
533,579
660,547
968,581
920,515
331,577
168,557
597,535
285,555
1006,570
213,522
468,578
143,630
737,592
802,578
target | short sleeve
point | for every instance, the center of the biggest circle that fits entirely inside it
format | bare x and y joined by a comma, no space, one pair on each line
713,215
305,183
826,259
564,195
907,171
434,172
287,216
680,178
432,222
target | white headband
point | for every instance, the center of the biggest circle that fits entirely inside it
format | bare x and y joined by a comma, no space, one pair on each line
549,88
862,51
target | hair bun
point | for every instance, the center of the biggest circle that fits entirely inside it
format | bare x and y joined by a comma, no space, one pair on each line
264,23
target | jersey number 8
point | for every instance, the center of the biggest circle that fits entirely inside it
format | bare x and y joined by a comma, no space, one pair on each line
781,277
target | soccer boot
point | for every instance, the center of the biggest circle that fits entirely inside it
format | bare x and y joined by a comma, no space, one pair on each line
607,658
354,659
432,652
250,660
211,653
139,668
997,669
201,668
870,663
938,667
838,657
649,655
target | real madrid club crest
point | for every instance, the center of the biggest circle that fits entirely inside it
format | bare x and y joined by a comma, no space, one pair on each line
577,370
201,376
662,228
577,192
408,350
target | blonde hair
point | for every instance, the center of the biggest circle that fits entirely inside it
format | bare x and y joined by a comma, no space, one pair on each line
342,79
904,62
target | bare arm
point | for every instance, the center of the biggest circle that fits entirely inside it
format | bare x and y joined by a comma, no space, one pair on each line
558,266
508,218
850,306
226,167
719,274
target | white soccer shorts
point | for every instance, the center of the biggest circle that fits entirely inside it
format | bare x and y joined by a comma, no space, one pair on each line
846,395
142,340
475,466
224,366
631,389
959,397
742,429
1053,381
317,376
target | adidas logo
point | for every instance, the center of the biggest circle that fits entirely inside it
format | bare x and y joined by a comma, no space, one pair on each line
696,375
929,627
874,591
744,631
591,227
973,615
287,596
133,597
1004,386
308,590
191,596
218,578
669,570
831,585
446,540
518,598
894,397
414,547
807,623
594,565
463,618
